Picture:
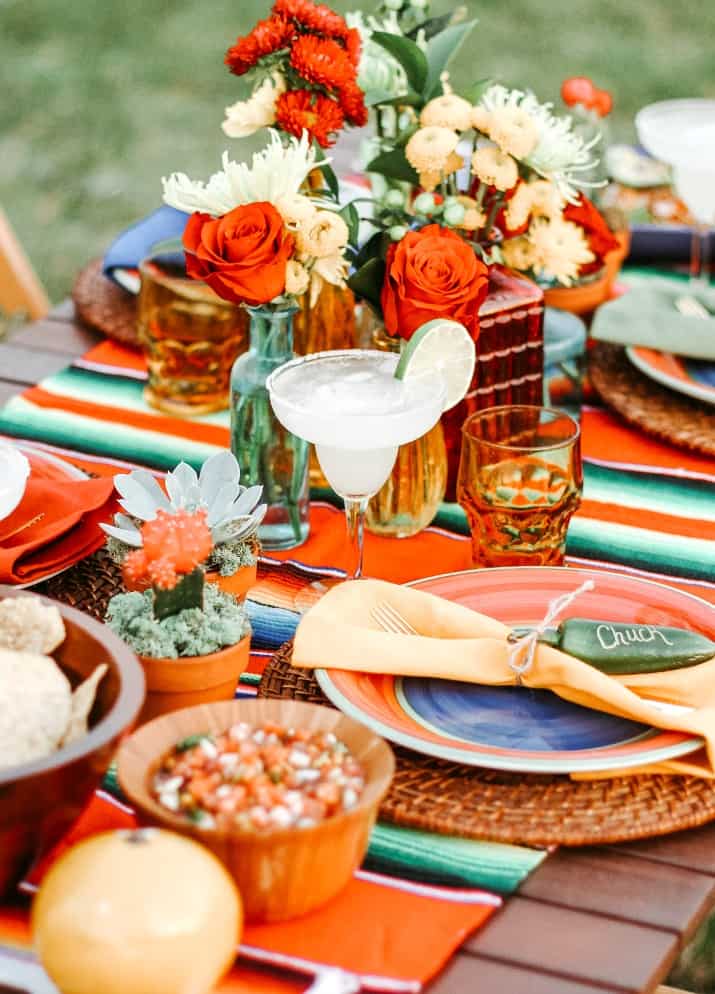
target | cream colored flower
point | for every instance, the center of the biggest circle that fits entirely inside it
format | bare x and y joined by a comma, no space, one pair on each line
333,268
429,149
297,278
514,131
560,248
474,218
518,253
546,201
325,234
519,207
494,168
430,180
447,111
296,210
245,117
481,119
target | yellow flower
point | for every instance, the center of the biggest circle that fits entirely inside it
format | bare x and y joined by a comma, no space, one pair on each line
546,201
297,278
494,168
474,218
518,253
429,180
333,268
560,248
245,117
514,131
296,209
447,111
519,207
481,119
429,149
324,234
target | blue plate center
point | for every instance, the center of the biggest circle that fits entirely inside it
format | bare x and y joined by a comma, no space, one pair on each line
512,717
701,371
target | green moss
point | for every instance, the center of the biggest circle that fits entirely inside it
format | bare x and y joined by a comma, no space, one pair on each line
191,632
229,557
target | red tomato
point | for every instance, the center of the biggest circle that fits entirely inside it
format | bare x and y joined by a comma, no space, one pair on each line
578,90
603,103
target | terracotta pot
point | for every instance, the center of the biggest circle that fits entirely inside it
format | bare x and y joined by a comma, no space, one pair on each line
182,682
281,873
586,297
238,584
40,800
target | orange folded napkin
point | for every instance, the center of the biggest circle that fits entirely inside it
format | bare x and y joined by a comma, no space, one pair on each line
55,525
456,643
394,934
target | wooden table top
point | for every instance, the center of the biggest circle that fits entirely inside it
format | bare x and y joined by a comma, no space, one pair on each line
608,920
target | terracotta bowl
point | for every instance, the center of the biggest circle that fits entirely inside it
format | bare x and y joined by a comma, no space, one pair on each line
172,684
281,873
39,800
238,584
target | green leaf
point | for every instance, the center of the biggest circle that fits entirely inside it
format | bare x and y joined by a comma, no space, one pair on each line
374,248
431,27
477,90
409,99
440,50
394,165
350,215
327,172
408,54
367,282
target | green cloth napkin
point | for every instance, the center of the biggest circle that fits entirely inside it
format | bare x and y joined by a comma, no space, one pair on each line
647,316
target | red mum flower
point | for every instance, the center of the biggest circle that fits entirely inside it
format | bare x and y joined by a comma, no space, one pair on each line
301,110
322,61
313,17
353,44
266,37
352,101
601,239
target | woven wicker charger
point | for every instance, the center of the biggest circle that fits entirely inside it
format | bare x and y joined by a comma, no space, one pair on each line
648,405
105,306
445,797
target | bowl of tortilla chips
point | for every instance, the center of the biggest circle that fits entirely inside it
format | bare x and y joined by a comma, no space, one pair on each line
69,688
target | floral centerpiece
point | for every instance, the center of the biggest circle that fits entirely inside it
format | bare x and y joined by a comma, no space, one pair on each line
259,237
233,515
191,638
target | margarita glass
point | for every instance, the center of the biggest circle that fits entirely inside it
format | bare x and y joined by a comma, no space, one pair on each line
682,133
350,405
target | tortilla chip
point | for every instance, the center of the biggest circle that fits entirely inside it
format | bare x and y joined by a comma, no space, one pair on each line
29,625
35,706
82,702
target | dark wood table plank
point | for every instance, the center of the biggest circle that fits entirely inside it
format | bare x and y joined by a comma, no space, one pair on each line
63,311
588,948
21,365
65,337
694,849
622,886
467,974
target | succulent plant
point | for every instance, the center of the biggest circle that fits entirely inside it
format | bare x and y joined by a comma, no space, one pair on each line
233,512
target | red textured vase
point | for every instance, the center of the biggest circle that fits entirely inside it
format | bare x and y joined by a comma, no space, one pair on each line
510,357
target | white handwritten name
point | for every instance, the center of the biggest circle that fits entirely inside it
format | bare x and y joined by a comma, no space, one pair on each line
610,637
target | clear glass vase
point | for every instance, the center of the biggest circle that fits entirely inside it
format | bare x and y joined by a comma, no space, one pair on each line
268,454
410,498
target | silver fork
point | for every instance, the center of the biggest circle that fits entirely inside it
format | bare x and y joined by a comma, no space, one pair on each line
390,620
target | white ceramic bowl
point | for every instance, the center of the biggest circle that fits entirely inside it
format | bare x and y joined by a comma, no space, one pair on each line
14,471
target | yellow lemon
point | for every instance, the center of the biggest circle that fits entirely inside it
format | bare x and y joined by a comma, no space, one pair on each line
137,912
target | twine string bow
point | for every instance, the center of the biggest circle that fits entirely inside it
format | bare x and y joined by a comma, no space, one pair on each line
523,650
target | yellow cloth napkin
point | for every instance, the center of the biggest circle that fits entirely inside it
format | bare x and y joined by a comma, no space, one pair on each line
456,643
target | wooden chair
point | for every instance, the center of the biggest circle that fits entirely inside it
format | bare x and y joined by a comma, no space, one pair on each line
20,288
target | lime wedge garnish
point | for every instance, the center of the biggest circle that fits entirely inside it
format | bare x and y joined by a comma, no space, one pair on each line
440,346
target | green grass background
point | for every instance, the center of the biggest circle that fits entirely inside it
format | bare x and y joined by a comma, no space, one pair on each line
99,99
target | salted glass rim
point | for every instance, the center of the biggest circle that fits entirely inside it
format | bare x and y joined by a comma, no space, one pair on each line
337,354
556,413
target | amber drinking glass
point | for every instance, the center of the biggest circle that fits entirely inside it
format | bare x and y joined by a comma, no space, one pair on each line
190,338
520,480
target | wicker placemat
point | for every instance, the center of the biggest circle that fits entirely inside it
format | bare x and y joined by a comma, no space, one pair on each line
88,585
655,409
513,807
105,306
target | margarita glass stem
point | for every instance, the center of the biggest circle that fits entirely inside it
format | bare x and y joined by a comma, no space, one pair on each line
355,508
700,257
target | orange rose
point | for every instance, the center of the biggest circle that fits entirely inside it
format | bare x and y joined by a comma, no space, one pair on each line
432,273
241,255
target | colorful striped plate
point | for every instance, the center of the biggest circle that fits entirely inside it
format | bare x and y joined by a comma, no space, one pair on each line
516,728
693,377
